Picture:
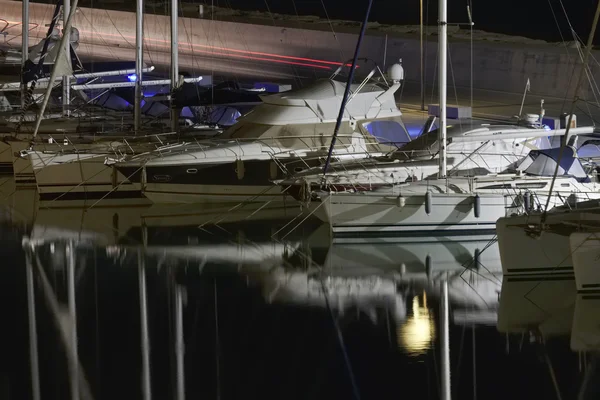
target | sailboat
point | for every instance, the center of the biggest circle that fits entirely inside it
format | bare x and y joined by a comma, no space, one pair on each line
545,235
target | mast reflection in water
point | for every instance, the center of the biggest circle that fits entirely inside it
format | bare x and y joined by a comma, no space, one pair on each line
416,335
239,343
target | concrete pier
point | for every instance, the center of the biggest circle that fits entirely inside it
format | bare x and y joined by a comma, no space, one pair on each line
284,52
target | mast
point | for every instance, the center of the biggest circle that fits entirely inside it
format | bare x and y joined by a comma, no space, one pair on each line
445,340
139,60
338,123
24,47
442,39
174,63
422,56
66,86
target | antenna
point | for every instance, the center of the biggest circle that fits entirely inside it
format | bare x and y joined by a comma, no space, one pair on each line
469,15
527,89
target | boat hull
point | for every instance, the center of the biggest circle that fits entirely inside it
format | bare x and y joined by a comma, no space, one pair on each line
240,181
586,320
450,214
70,177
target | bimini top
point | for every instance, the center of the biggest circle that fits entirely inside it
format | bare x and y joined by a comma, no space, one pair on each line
543,163
320,102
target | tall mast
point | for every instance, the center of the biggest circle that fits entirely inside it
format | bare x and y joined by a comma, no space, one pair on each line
24,47
174,63
139,60
445,339
422,56
66,97
442,40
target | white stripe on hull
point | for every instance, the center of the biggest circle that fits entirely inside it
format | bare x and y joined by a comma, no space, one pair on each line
585,250
522,253
586,319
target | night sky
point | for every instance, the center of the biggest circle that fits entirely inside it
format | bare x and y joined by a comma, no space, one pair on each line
531,18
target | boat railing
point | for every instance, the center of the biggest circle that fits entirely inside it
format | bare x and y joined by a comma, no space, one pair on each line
269,143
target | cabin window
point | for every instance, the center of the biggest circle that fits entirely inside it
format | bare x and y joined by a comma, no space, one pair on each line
192,171
531,185
390,133
298,169
502,186
565,184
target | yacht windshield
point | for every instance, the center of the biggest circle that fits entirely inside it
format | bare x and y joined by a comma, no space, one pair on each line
388,132
426,143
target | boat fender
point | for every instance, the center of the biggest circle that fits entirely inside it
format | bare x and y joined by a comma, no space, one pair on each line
428,201
476,258
144,178
402,269
305,193
527,202
428,266
273,169
477,205
239,168
400,201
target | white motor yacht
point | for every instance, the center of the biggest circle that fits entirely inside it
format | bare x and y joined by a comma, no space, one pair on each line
289,131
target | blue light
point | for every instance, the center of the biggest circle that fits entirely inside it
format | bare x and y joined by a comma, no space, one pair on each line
132,78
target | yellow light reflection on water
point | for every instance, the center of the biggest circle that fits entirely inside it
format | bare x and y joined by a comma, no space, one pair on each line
417,333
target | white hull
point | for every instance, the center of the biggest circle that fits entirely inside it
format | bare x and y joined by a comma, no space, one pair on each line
539,263
586,320
446,208
72,177
369,213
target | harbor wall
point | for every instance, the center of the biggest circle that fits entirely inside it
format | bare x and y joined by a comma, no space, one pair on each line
259,51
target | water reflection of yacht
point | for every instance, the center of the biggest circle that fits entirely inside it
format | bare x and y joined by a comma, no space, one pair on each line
340,293
118,223
411,255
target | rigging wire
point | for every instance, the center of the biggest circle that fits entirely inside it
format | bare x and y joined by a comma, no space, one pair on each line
342,59
310,48
562,38
294,70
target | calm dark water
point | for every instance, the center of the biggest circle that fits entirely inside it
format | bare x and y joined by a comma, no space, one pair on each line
240,343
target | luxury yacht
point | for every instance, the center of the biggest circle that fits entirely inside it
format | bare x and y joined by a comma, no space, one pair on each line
290,131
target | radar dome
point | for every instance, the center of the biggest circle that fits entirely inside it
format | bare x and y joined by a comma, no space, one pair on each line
396,72
531,118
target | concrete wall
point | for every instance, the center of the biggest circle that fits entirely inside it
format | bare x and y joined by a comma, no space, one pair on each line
259,51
